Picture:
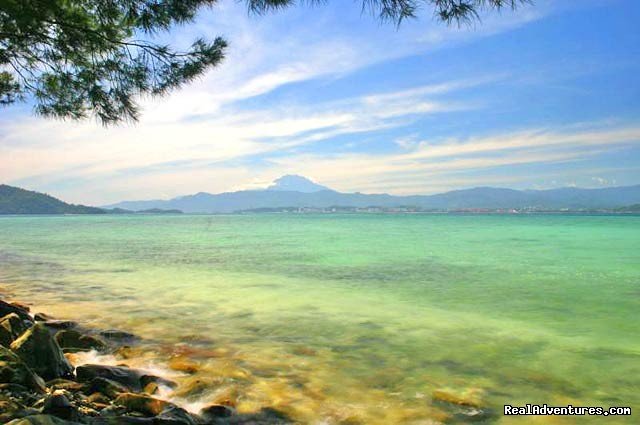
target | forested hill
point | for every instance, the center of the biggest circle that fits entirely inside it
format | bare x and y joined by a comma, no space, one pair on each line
14,200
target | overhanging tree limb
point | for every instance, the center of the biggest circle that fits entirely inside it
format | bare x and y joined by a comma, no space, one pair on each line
77,58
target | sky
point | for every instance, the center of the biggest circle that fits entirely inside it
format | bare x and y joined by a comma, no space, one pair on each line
547,96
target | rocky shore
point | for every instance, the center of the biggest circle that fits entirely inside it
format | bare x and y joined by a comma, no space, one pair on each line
41,385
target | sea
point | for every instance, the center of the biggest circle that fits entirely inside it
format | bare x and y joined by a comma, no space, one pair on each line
352,318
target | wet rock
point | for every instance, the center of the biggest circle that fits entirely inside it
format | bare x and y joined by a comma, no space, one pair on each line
151,388
73,340
21,305
141,403
125,352
60,324
132,379
65,384
11,327
198,385
216,411
174,415
42,317
122,420
13,370
9,409
41,420
98,398
111,411
147,380
6,337
41,353
58,404
107,387
6,308
13,388
129,378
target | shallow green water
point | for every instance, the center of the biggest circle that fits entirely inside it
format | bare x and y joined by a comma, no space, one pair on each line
356,317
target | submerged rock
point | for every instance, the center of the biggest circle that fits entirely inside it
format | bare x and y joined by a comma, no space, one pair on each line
141,403
216,411
183,364
463,407
117,335
13,370
41,353
453,398
72,340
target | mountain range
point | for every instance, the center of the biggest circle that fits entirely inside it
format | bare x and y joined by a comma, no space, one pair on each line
300,192
294,192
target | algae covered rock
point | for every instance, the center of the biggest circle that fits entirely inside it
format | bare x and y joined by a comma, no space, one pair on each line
13,370
41,353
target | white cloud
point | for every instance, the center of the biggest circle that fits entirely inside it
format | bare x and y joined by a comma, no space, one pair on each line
398,172
194,139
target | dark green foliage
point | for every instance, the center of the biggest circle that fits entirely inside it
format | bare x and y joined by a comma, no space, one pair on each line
459,11
77,58
14,200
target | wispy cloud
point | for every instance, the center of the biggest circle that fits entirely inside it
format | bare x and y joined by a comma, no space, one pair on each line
441,158
318,96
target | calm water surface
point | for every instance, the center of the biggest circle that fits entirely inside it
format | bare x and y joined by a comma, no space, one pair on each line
354,318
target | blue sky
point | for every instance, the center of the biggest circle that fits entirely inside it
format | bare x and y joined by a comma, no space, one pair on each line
543,97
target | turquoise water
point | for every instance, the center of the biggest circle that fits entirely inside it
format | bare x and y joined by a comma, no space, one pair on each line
354,318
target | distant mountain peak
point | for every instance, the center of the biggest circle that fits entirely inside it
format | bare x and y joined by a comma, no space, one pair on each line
295,183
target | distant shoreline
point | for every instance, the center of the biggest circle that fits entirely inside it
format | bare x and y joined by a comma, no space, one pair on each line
329,213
